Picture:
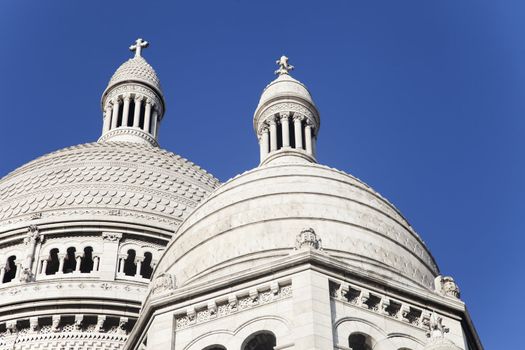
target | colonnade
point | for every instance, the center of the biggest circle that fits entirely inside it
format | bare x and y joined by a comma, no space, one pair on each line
137,261
273,137
61,260
141,105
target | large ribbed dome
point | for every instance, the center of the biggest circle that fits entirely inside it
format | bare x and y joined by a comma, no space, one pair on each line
136,69
124,181
254,220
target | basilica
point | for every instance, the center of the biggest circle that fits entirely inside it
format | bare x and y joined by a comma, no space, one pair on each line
120,244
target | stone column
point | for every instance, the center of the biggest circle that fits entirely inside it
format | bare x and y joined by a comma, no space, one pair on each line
136,116
108,256
264,142
285,128
147,115
125,111
19,268
2,273
122,261
154,126
297,124
44,266
273,135
138,261
308,137
114,116
107,118
78,257
96,262
61,259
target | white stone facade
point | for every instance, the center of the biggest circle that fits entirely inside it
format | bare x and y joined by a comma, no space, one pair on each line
121,245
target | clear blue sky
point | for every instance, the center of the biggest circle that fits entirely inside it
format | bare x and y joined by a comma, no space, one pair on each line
423,100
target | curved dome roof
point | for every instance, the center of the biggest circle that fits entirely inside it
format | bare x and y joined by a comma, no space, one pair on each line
95,179
285,86
136,69
254,219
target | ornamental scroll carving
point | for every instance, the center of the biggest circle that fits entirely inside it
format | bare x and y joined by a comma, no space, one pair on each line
162,283
111,236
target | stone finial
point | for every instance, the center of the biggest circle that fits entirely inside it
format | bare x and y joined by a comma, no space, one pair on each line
308,239
138,46
284,67
445,285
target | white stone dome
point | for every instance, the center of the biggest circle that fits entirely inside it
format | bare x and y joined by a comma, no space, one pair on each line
136,69
285,86
114,180
253,220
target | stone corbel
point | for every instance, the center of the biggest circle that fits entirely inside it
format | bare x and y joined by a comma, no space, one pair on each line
190,312
11,326
55,322
33,324
254,295
274,287
365,295
232,302
78,322
385,303
100,323
212,308
123,321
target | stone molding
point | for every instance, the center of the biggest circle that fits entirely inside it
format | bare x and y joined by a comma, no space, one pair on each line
380,304
238,302
121,131
111,236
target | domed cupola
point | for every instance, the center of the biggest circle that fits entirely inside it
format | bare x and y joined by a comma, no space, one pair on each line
286,120
133,102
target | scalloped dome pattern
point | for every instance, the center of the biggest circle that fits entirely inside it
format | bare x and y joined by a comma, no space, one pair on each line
137,69
143,181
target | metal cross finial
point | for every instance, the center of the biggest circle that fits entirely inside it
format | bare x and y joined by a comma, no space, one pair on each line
284,67
139,44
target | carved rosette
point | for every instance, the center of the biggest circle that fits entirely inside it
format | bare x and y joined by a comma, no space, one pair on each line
308,239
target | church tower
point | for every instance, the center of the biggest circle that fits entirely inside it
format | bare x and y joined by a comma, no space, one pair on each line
298,255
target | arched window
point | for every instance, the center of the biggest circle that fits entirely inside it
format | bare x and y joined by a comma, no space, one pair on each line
70,263
86,263
146,269
10,269
215,347
53,263
260,341
358,341
130,267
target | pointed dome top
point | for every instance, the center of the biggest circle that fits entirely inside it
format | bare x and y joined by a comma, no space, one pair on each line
136,69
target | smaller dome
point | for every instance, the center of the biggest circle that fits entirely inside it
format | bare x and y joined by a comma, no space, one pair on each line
285,86
136,69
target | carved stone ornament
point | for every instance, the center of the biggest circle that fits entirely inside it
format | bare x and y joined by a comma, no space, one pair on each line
26,275
163,283
284,67
308,239
111,236
437,329
445,285
33,234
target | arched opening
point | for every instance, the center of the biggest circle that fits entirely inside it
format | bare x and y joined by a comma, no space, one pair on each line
53,263
142,115
70,262
358,341
146,269
86,263
10,269
120,112
130,268
260,341
131,112
214,347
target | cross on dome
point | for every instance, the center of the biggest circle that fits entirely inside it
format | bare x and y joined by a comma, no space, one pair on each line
284,67
139,44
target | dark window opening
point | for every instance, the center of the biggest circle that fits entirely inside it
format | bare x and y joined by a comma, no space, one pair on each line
215,347
130,268
86,263
146,269
291,132
279,136
119,117
131,112
358,341
10,269
260,341
142,114
52,263
70,263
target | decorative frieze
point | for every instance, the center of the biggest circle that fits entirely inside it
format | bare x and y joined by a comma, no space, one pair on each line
238,302
380,304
